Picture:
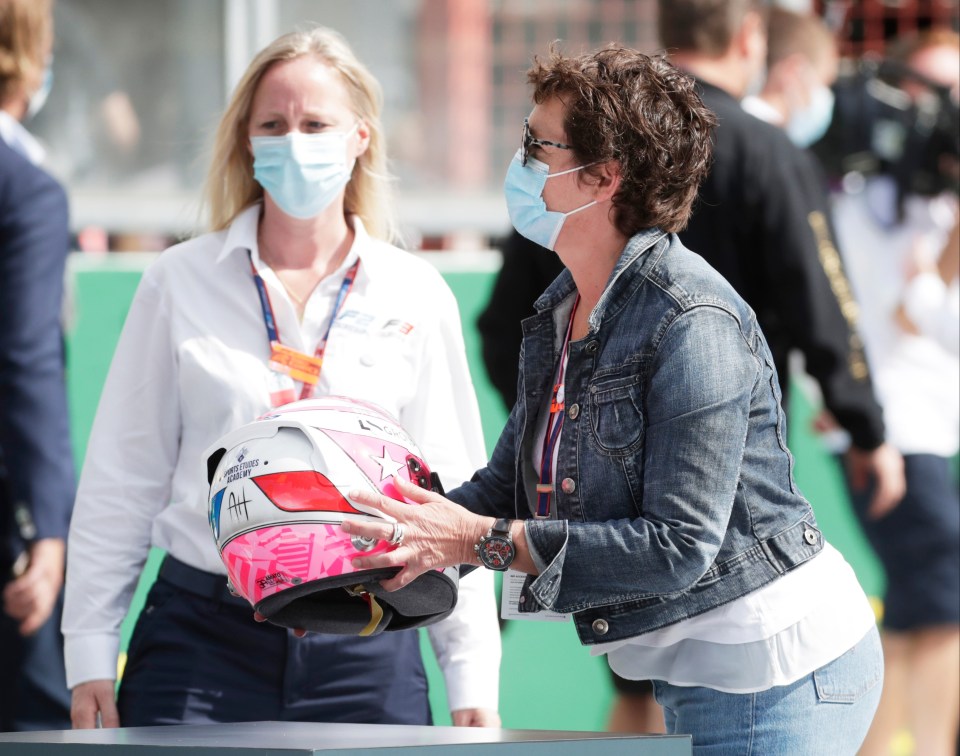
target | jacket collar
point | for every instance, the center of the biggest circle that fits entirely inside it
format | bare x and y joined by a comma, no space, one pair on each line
564,286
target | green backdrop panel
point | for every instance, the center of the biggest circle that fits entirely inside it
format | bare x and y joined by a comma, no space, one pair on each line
548,681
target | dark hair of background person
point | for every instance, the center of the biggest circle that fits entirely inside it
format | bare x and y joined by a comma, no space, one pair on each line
791,33
707,26
663,147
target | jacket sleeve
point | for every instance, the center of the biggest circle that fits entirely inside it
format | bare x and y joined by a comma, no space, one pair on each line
807,291
526,272
34,422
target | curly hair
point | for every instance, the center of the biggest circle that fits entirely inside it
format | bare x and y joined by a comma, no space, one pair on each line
642,112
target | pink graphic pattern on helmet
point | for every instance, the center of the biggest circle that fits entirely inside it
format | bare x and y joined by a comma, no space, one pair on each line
379,460
268,560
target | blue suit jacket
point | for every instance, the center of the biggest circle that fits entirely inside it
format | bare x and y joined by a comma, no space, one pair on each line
35,450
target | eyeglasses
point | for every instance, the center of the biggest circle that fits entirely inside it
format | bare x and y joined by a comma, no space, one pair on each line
531,141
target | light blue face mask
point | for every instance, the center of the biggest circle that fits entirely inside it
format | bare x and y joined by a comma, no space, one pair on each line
523,188
39,98
302,173
806,126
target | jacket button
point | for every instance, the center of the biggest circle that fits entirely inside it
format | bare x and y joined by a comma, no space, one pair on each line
568,486
810,536
600,626
573,411
592,347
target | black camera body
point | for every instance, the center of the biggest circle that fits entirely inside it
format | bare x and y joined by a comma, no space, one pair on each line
877,128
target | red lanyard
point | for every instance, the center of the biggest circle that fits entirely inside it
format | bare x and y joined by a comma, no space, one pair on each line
545,487
305,368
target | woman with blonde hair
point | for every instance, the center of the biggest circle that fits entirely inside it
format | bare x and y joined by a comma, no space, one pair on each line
299,260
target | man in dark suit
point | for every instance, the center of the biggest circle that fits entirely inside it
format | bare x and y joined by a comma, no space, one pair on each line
36,467
758,222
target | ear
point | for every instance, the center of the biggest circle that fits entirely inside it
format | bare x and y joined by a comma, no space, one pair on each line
606,180
363,137
751,39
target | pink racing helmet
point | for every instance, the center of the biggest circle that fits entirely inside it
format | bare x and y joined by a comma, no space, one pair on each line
278,493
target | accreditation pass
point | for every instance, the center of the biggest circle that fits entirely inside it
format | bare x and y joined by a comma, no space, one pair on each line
510,601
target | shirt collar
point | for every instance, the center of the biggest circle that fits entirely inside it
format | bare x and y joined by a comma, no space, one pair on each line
242,235
19,139
760,108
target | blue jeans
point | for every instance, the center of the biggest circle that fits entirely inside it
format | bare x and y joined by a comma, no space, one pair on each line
827,712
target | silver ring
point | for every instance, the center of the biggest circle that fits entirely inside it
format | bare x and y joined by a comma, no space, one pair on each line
396,538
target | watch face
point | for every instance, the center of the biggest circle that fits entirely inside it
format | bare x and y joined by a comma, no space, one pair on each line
496,552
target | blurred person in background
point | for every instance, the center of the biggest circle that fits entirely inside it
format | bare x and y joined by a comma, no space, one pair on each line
299,263
526,271
765,231
801,66
36,463
901,249
642,484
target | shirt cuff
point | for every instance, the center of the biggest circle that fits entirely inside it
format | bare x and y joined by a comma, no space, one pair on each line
91,656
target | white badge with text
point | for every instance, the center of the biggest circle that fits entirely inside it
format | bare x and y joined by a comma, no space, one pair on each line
510,601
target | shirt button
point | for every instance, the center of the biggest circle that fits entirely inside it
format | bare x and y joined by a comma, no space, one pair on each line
810,536
600,626
592,347
568,486
573,411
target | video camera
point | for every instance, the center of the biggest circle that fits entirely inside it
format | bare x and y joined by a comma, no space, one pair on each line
878,128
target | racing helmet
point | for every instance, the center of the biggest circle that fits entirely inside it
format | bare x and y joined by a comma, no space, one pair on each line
278,493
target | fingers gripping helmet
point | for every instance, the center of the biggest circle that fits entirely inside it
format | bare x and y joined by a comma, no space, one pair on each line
278,493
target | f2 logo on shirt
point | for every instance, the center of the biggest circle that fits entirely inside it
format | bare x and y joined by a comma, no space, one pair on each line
396,326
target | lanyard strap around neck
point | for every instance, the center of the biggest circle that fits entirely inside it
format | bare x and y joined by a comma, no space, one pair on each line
546,487
270,320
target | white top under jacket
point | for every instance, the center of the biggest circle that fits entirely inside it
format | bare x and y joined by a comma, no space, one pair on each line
191,365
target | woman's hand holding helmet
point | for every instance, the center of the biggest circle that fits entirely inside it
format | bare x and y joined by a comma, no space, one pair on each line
436,534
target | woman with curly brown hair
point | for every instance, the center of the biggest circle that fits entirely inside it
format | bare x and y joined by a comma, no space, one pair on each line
642,483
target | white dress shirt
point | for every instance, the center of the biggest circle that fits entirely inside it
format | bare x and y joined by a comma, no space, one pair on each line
191,365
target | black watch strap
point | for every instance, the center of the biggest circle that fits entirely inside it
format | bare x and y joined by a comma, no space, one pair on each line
501,527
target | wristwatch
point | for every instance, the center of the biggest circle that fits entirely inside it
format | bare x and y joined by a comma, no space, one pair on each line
495,550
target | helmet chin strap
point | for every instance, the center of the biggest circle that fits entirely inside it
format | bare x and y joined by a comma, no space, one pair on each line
376,611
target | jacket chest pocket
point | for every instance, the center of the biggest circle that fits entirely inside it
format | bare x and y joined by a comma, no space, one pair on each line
616,415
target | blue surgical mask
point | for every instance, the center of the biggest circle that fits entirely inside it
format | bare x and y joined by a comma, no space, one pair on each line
523,188
302,173
806,126
39,98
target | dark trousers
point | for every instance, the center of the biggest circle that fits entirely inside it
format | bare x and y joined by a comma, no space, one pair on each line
197,656
918,544
33,686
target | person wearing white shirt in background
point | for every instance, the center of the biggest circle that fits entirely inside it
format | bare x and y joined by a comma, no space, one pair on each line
802,64
297,198
900,249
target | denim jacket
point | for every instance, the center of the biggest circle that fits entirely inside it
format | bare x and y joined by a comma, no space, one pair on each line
674,486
